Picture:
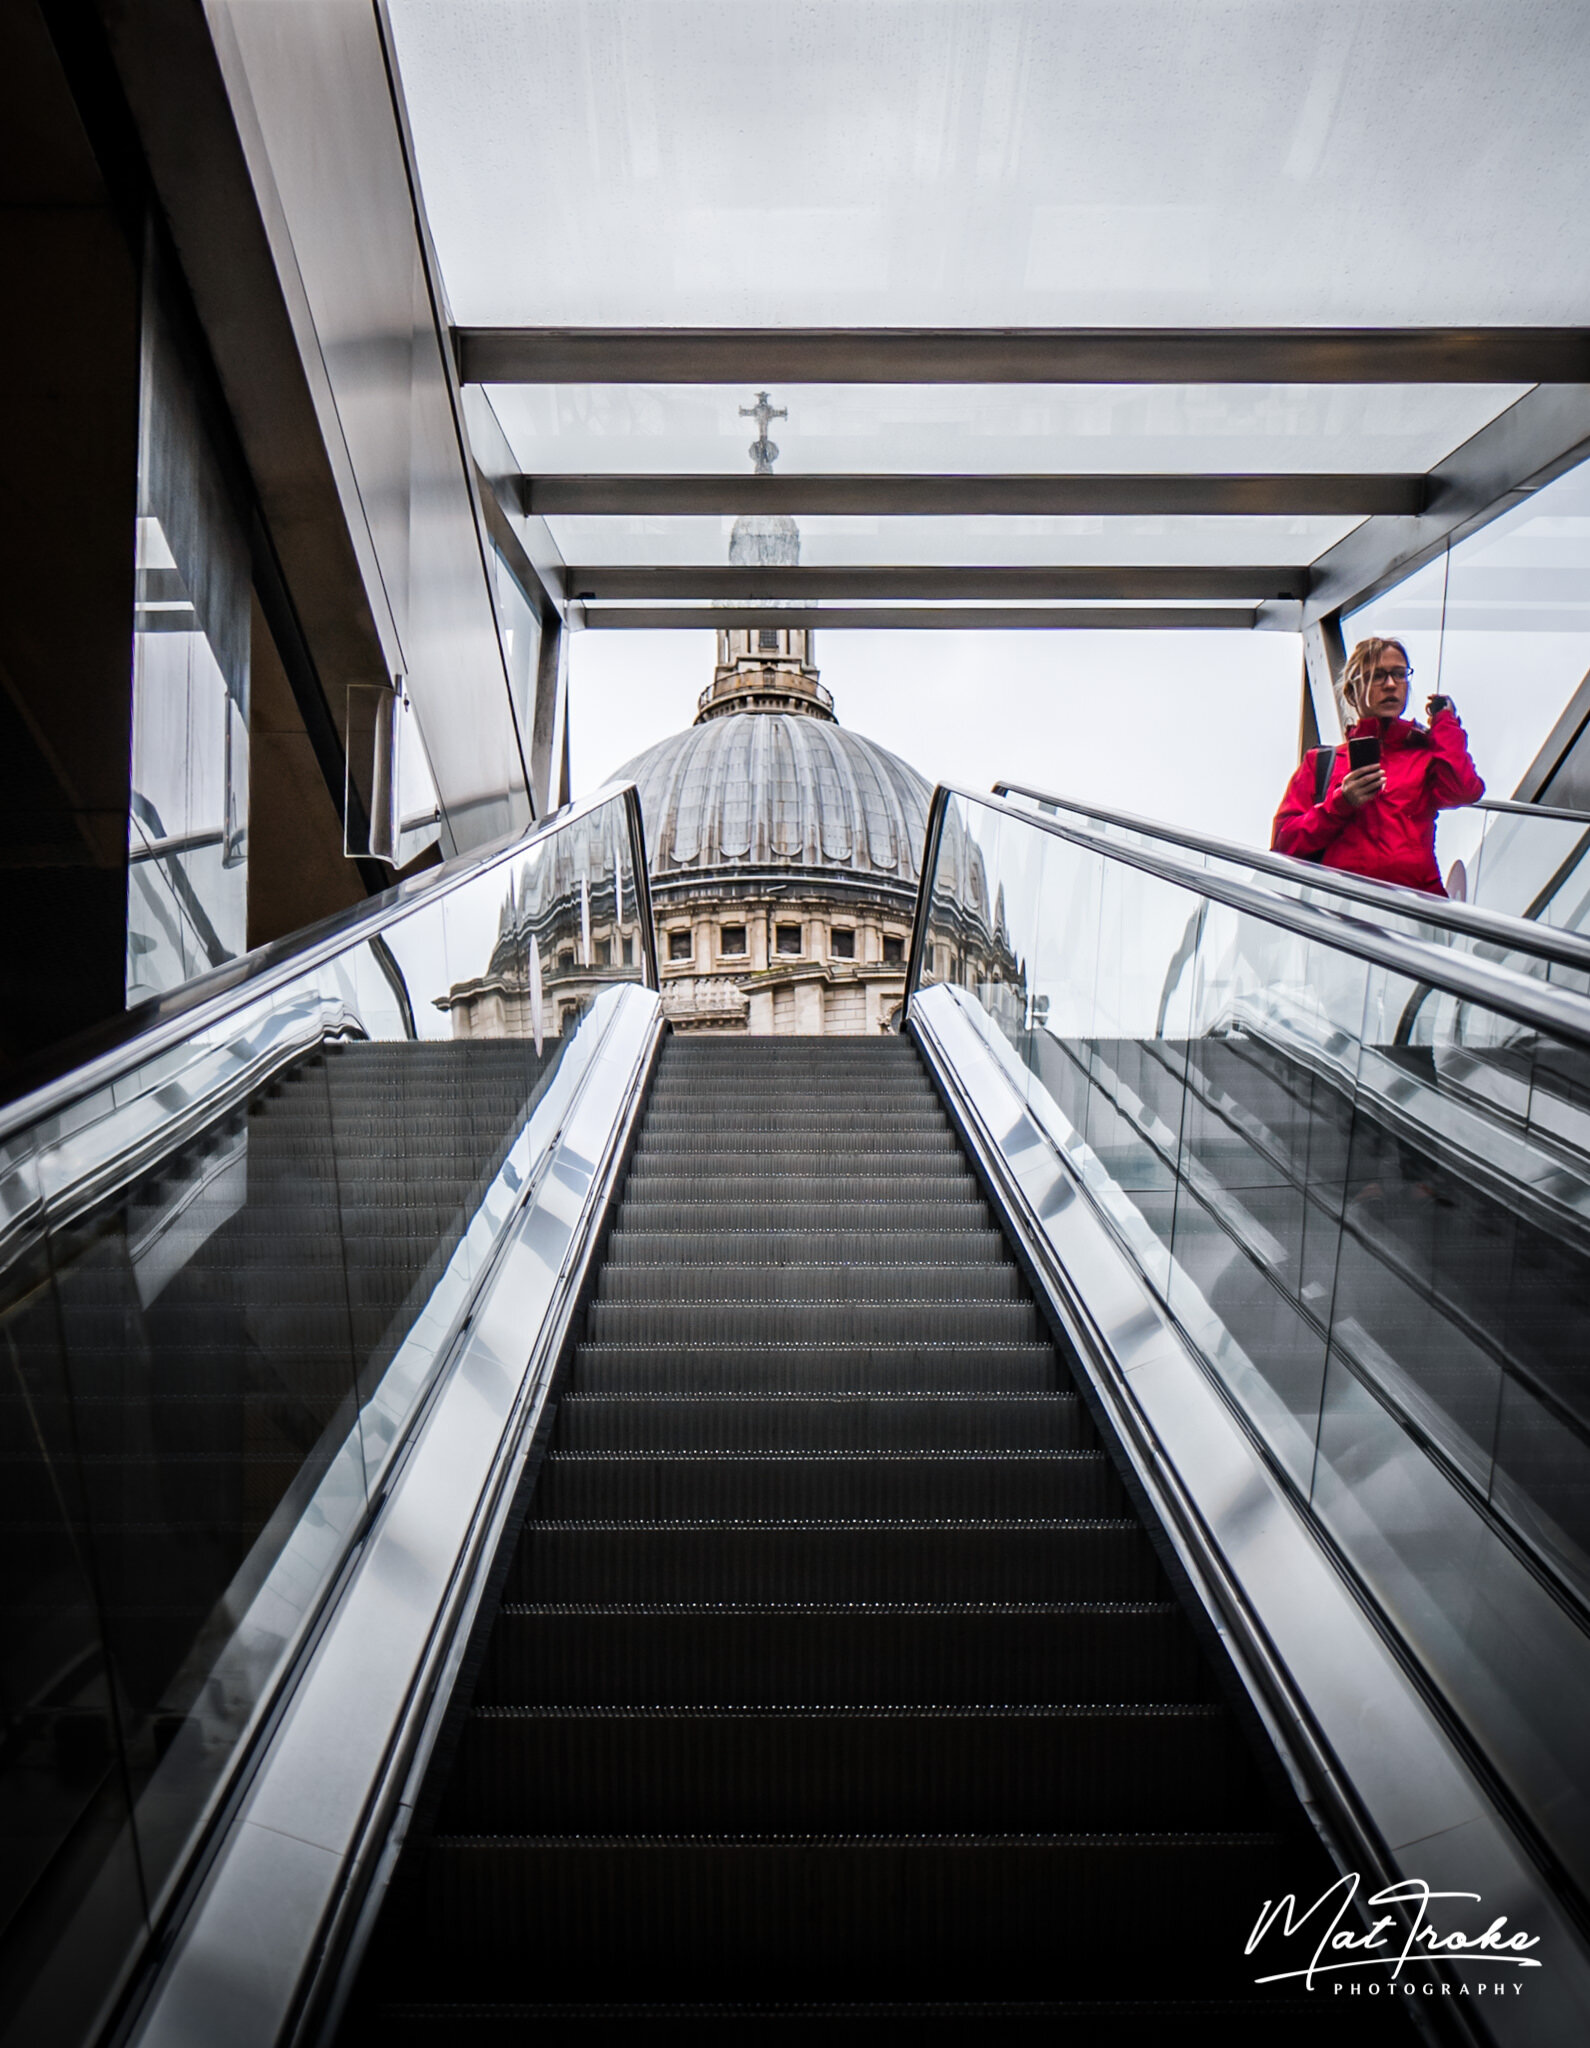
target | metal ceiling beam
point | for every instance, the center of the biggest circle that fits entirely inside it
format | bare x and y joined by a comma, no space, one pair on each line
663,584
1522,449
1034,355
921,618
895,496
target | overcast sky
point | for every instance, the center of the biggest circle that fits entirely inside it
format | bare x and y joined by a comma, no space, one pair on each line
1196,728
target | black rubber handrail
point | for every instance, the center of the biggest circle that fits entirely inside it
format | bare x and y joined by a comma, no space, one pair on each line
1488,927
98,1056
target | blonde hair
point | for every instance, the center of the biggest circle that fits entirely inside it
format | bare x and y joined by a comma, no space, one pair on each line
1361,666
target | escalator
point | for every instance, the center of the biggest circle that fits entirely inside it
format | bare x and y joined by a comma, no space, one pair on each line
240,1245
213,1320
836,1681
1460,1294
521,1522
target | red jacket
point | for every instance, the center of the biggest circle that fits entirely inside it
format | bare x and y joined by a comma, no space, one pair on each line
1393,837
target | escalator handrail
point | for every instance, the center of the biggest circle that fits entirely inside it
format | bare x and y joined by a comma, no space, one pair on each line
1539,1006
1491,927
100,1056
1514,808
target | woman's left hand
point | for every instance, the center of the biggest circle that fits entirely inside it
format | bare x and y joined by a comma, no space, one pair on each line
1439,702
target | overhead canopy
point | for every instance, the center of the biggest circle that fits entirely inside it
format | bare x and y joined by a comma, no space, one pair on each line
1247,307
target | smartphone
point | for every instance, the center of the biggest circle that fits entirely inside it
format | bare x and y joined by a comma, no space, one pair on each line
1364,752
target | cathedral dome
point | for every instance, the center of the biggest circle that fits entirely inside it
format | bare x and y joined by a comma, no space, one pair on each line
781,791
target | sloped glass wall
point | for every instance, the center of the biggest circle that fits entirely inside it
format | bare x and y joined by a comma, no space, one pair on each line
1356,1172
232,1260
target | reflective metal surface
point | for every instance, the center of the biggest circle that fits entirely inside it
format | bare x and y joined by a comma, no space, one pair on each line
234,1255
246,1948
1352,1171
326,143
1368,1755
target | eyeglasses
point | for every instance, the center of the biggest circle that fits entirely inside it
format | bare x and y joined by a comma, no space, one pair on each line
1391,675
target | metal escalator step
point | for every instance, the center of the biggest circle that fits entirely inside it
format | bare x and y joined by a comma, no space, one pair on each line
857,1654
900,1148
843,1560
839,1365
779,1769
723,1283
917,1914
827,1486
858,1181
861,1421
812,1246
798,1112
748,1218
897,1320
810,1086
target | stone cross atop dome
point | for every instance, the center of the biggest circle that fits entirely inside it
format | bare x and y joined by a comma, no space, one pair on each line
762,451
769,667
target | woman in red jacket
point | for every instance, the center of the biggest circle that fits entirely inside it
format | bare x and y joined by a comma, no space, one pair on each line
1381,821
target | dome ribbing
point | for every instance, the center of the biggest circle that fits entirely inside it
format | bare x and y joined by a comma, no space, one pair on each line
760,790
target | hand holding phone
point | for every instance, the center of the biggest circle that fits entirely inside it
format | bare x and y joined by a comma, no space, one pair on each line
1365,778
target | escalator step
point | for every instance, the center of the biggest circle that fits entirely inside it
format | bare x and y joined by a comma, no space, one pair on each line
859,1654
899,1147
805,1246
859,1179
837,1365
768,1422
721,1283
827,1486
797,1120
893,1318
880,1770
732,1222
826,1915
866,1560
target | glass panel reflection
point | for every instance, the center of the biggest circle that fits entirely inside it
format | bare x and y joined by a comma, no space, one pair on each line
968,540
1365,1201
65,1846
187,882
683,429
229,1275
1501,623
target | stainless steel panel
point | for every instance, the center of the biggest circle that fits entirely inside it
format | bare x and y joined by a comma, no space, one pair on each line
319,99
1378,1733
365,1683
1034,355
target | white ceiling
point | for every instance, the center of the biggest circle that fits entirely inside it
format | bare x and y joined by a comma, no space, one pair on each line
990,162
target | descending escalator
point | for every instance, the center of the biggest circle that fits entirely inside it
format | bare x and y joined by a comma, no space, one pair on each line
835,1681
226,1317
1390,1218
